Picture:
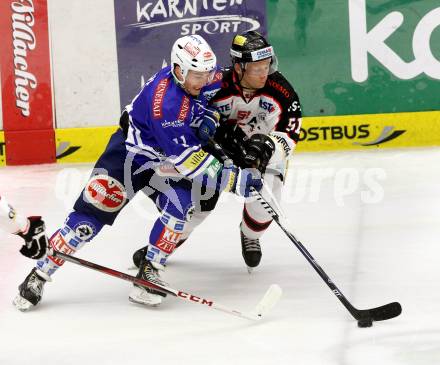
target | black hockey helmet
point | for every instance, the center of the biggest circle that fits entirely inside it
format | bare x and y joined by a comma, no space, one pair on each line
251,46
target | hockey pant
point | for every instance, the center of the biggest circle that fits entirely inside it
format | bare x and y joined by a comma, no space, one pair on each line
256,220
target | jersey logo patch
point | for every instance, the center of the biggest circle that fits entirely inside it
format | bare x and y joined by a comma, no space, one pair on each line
267,106
184,108
159,94
85,230
11,213
279,87
105,193
217,77
243,114
195,159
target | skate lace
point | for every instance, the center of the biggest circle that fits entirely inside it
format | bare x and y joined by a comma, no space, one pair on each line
152,275
251,244
35,284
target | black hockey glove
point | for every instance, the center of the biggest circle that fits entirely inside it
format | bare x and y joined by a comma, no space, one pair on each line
231,138
259,150
36,241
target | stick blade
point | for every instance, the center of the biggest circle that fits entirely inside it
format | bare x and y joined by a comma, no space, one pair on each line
270,299
386,311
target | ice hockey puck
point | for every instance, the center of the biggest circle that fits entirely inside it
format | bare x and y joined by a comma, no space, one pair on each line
364,323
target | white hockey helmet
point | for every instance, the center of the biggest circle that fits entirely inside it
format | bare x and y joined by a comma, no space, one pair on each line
192,52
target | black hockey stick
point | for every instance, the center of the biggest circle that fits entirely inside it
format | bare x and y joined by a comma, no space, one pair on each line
365,317
270,298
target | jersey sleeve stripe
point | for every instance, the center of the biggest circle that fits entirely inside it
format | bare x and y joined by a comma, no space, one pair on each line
184,155
138,151
135,144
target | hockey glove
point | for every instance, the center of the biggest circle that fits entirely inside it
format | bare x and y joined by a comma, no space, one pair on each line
208,125
231,138
259,150
240,181
36,241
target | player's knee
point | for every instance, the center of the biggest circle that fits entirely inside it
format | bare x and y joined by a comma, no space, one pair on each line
175,208
79,229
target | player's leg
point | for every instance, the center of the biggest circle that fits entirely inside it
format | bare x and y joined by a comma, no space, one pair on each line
78,229
256,221
204,204
179,216
99,203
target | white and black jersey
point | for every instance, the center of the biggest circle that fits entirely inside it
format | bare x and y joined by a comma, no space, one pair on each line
274,108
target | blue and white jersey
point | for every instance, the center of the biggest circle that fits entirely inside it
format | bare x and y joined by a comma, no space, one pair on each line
161,119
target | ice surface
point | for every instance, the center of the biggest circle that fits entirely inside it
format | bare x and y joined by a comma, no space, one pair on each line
371,220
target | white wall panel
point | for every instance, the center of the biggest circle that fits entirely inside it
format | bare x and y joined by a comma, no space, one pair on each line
84,61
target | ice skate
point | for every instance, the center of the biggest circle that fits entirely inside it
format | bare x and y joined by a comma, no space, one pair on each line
30,291
138,256
148,271
251,251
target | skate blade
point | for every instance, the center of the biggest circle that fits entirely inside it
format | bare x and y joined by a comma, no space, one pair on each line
141,296
22,304
250,269
148,304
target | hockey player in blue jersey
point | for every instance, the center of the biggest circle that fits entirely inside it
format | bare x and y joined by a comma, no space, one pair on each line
158,150
259,127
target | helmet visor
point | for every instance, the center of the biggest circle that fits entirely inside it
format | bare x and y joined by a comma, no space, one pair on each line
200,77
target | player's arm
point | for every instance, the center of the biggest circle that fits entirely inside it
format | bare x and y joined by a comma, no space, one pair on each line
286,132
183,147
290,119
206,124
31,229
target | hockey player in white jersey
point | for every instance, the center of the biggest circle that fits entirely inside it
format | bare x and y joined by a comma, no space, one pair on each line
259,127
31,229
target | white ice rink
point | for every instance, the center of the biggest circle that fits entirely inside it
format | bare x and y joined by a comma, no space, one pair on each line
371,220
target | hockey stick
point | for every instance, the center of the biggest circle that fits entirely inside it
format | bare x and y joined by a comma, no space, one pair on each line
269,300
365,317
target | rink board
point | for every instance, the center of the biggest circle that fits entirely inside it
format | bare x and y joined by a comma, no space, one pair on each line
81,144
360,132
352,132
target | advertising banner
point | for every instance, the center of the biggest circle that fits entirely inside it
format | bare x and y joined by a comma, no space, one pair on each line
369,131
82,144
347,57
350,132
26,82
147,29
